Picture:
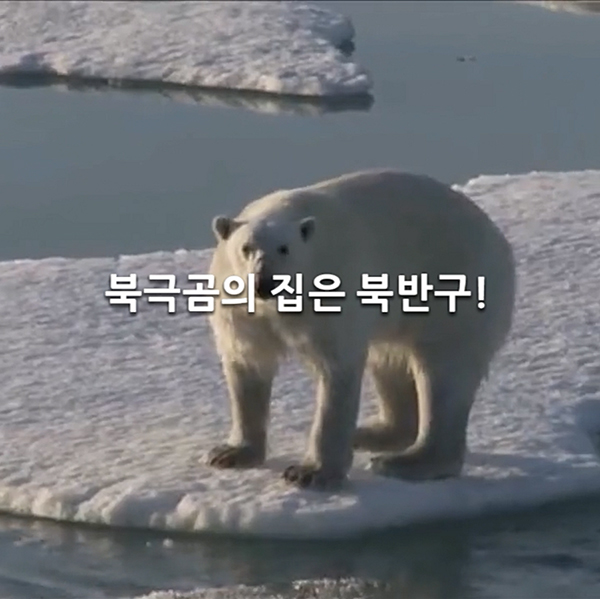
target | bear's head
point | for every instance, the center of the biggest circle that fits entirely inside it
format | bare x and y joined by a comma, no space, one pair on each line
266,247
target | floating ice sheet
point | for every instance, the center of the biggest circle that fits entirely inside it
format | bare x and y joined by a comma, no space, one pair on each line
105,416
275,47
573,6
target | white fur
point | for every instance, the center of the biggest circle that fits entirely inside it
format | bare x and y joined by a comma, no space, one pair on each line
427,367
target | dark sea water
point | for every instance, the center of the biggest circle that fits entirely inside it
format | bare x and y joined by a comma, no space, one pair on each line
107,173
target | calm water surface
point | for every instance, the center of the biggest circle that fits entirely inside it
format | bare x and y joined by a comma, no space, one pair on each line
108,173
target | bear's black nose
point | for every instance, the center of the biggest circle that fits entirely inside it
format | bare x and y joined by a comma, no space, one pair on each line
264,286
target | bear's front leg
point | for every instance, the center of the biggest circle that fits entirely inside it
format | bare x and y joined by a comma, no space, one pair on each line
330,451
249,394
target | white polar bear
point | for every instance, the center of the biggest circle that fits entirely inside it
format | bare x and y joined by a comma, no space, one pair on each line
427,366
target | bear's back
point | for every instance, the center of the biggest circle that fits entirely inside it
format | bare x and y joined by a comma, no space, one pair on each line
412,215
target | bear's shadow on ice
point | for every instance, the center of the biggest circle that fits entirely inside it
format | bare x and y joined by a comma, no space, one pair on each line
517,465
520,465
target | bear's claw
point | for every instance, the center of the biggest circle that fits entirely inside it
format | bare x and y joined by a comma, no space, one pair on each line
306,476
232,456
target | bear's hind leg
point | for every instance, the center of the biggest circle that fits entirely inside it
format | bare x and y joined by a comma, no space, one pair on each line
396,425
250,393
445,402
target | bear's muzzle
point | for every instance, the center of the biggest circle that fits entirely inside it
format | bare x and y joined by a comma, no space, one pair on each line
264,285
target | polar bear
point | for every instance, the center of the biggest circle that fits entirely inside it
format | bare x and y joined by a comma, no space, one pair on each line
426,366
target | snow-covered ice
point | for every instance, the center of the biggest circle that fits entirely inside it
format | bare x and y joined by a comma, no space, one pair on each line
105,417
287,48
574,6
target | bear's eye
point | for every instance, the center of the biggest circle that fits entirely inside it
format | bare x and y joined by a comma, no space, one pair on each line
246,249
283,250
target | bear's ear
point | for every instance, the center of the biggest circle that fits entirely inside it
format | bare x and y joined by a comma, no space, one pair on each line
307,227
223,227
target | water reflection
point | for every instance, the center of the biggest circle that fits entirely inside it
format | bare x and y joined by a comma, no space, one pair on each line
262,102
408,565
549,552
